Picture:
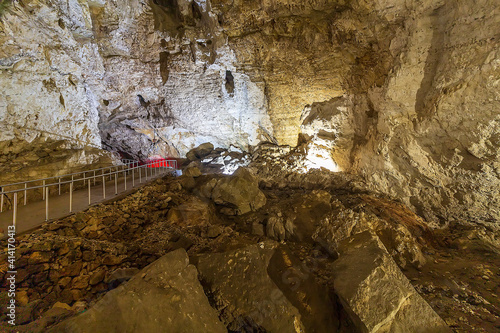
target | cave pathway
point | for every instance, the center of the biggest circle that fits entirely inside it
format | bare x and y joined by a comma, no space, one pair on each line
32,215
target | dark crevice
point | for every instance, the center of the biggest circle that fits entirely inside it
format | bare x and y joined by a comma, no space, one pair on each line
143,101
164,66
229,83
423,105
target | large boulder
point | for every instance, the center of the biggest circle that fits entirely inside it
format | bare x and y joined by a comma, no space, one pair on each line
194,211
192,170
342,223
164,296
264,288
239,191
376,294
200,151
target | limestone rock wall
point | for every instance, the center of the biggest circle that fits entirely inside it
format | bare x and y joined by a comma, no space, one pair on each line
143,78
404,93
434,138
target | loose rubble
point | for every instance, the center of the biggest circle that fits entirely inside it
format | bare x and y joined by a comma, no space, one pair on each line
270,252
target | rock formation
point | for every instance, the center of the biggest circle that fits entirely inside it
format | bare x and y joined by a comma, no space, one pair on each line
327,238
169,286
377,294
403,93
336,107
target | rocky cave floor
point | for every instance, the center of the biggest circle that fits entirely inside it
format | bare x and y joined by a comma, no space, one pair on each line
68,265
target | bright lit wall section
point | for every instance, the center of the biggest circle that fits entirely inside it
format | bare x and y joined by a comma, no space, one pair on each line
319,156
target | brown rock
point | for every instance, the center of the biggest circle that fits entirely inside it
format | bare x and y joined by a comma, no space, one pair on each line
79,306
192,171
72,270
200,151
64,281
376,294
43,246
275,228
88,255
64,249
240,191
76,294
61,305
251,283
39,257
174,298
192,212
22,297
80,282
40,278
112,260
66,296
97,277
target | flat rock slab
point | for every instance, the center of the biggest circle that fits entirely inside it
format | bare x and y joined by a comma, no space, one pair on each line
376,294
166,296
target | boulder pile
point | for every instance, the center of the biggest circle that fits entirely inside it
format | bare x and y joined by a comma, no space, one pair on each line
233,253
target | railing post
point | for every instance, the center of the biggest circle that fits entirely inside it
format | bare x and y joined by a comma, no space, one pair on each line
133,175
71,197
43,194
14,210
88,185
1,201
140,172
103,185
47,204
59,186
25,193
94,177
125,175
116,183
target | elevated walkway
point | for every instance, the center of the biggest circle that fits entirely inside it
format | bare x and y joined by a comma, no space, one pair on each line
26,205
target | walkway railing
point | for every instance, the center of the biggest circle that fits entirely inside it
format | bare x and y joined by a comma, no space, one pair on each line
134,169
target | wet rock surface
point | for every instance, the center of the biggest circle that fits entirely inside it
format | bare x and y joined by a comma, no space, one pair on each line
301,226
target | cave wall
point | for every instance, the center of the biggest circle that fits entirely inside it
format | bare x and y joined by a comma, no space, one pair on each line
139,77
403,93
435,142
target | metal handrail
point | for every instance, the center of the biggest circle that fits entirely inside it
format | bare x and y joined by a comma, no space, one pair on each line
130,167
62,176
126,163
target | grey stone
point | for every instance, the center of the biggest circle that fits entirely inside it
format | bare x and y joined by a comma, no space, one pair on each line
165,296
